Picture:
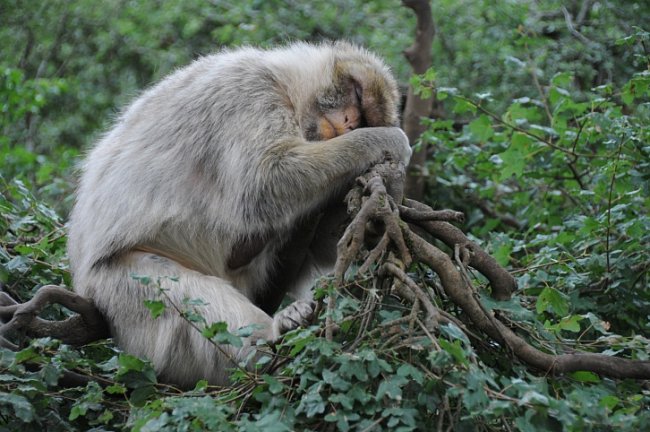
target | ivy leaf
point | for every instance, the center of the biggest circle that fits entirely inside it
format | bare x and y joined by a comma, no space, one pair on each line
78,410
128,362
443,92
219,333
562,79
407,370
551,300
585,377
20,405
481,128
391,387
343,399
545,129
29,354
335,380
275,386
156,307
502,253
140,395
144,280
571,323
610,402
463,106
455,349
116,389
312,402
514,158
533,397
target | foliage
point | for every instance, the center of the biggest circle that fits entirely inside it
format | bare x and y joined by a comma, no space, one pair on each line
570,167
100,54
544,145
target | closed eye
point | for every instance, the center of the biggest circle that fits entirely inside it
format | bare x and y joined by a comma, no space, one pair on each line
358,92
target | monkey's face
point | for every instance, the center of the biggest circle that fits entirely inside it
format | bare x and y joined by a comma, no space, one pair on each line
335,112
335,123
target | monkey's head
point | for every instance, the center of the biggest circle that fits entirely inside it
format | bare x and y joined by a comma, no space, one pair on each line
362,93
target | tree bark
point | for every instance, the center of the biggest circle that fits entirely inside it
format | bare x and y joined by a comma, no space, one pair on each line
419,57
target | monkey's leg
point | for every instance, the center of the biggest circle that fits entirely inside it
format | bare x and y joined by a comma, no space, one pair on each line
320,255
179,352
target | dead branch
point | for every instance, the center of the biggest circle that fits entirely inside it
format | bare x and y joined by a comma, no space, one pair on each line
373,206
502,282
86,327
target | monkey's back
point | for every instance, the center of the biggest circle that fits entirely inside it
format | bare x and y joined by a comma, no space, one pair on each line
180,167
182,154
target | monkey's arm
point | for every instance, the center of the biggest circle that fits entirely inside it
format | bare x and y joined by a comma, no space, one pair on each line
296,177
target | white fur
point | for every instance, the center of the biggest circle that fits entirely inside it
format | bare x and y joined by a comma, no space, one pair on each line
212,155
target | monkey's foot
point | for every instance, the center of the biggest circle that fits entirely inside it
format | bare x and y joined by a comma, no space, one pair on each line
297,314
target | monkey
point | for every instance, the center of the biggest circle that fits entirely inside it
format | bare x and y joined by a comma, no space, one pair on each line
223,182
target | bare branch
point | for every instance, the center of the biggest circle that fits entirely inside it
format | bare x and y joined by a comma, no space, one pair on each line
87,326
456,284
502,282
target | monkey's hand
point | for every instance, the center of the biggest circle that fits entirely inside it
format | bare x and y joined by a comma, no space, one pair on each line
391,141
404,147
297,314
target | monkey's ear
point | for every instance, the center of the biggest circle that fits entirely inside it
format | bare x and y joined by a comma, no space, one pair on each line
378,101
358,91
375,89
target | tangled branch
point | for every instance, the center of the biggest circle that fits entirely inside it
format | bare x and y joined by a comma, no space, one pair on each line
402,244
85,327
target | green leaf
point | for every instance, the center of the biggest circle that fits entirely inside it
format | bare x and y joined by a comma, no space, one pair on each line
571,323
22,408
131,363
481,128
219,333
144,280
116,389
312,402
29,354
544,129
140,395
610,402
514,158
78,411
335,380
463,106
443,93
585,377
409,371
533,397
275,386
156,307
105,417
502,253
343,399
551,300
455,349
201,385
391,387
562,79
50,374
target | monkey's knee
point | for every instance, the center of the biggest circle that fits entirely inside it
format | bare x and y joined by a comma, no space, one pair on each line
298,314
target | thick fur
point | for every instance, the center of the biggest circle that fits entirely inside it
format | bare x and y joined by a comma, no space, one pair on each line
211,161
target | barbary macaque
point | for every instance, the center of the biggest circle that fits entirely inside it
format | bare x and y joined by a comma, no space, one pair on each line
220,184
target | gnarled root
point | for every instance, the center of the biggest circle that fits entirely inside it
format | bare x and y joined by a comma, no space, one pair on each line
373,205
86,327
